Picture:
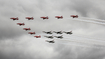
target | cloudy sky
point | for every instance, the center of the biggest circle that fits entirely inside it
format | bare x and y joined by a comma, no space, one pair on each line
86,42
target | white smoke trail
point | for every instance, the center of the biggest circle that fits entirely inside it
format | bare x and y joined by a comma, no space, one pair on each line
82,45
94,22
89,37
97,20
87,40
79,43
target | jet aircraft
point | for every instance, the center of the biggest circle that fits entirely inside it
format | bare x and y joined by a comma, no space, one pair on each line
29,18
20,24
44,17
59,36
38,36
49,37
68,32
48,32
50,41
26,29
74,16
14,18
59,17
59,32
31,33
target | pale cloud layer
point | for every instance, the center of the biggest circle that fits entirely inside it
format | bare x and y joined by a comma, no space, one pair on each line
15,43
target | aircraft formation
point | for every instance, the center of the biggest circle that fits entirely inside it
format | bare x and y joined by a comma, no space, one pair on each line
26,29
57,32
51,34
47,32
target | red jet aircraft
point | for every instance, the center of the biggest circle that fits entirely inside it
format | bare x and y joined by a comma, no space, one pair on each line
31,33
44,17
26,29
74,16
20,24
59,17
38,36
29,18
14,18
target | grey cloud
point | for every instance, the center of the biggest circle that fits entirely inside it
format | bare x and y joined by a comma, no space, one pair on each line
93,54
78,52
82,7
99,13
22,8
19,55
30,48
87,7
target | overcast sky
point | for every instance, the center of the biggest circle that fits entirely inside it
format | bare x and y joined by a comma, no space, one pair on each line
86,42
